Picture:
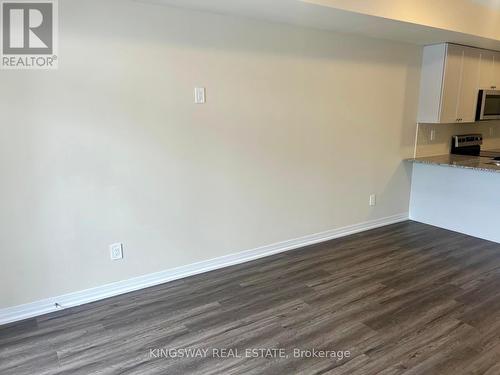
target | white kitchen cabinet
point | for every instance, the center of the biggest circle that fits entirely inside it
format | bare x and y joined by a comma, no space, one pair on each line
490,70
487,69
450,83
467,100
495,81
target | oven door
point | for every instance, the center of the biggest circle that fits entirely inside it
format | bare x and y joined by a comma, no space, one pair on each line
488,105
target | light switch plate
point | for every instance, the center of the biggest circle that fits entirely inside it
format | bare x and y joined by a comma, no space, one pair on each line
199,95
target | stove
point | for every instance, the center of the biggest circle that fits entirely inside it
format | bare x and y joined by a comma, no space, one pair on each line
467,144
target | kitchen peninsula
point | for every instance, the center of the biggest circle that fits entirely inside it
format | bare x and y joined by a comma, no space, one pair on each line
457,192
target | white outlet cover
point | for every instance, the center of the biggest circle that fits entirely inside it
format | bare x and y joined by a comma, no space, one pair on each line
373,200
116,251
199,95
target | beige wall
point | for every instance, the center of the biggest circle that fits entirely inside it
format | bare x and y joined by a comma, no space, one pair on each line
300,127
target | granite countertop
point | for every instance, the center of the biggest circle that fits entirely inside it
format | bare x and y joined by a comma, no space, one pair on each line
480,163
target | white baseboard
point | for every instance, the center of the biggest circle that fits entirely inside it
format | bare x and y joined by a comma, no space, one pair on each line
30,310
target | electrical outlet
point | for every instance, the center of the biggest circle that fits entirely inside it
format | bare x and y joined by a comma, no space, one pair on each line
373,200
199,95
116,251
433,134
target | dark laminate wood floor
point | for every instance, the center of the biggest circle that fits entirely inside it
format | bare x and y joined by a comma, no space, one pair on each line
403,299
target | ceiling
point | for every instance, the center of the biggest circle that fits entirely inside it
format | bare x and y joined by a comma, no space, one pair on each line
339,15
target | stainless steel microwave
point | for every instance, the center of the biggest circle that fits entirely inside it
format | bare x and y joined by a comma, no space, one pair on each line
488,105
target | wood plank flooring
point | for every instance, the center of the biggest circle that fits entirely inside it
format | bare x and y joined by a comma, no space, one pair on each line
403,299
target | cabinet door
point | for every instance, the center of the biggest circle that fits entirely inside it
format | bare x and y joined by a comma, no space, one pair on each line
487,70
495,85
451,84
469,87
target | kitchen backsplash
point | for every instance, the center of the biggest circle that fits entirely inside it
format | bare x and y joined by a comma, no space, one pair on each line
443,133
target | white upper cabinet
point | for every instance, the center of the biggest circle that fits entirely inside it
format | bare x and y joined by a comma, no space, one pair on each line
469,90
487,70
450,90
451,77
495,81
490,70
